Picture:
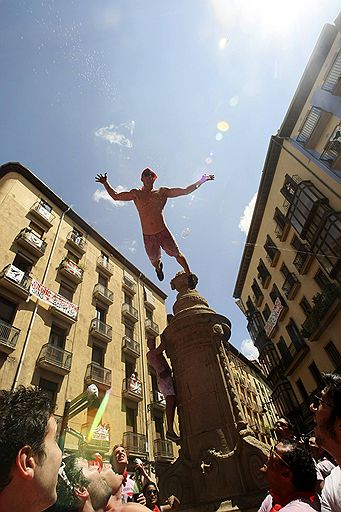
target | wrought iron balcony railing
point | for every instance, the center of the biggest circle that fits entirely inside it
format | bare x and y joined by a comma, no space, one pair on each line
8,335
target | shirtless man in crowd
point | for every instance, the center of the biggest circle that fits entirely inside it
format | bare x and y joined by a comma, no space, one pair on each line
150,203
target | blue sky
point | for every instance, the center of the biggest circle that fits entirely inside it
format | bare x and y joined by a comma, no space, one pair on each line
119,85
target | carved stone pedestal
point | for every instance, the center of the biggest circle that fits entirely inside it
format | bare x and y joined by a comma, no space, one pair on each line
219,458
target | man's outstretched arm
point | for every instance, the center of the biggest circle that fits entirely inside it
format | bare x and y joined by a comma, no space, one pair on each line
117,196
176,192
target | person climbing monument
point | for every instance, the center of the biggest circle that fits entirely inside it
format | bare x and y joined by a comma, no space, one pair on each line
165,383
150,203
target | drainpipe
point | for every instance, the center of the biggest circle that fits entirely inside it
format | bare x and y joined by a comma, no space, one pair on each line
144,378
29,330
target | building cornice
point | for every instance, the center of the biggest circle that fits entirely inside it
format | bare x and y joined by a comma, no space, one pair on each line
18,168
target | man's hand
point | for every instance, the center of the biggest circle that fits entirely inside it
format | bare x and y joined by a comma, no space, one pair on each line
173,501
101,178
141,499
207,177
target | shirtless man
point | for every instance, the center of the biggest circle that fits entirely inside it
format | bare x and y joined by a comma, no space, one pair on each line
150,203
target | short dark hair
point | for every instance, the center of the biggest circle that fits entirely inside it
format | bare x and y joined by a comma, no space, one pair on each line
73,478
24,415
146,485
332,381
301,465
148,170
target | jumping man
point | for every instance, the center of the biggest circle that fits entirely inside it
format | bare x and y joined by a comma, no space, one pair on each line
150,203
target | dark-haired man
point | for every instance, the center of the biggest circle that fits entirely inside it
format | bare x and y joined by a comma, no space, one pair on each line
291,474
150,203
30,456
327,415
284,429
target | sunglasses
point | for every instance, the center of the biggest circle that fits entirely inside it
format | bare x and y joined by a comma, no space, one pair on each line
273,455
147,174
151,491
281,424
317,400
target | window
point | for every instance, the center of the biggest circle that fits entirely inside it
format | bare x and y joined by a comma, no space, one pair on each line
102,281
282,224
328,246
100,314
7,310
302,389
57,336
316,374
129,331
295,334
72,257
159,428
128,299
22,263
257,292
309,125
250,306
50,388
266,312
149,314
289,188
275,293
334,355
322,280
129,369
66,291
131,419
36,230
271,251
291,282
97,355
45,205
263,274
305,306
282,347
302,256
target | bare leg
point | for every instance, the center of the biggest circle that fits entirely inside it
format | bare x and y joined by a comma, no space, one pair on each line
183,262
170,412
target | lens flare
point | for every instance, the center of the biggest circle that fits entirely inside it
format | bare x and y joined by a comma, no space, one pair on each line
223,126
208,160
185,233
99,414
222,42
233,102
219,137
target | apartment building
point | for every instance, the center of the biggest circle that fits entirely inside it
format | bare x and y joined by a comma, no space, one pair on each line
255,395
76,312
288,285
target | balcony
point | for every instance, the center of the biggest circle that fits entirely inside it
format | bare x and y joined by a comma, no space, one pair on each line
55,359
101,330
303,260
129,283
296,352
132,389
332,82
163,450
31,242
272,252
129,312
151,327
16,281
263,275
135,444
96,374
313,127
332,152
104,266
290,286
77,242
42,214
326,305
157,400
149,299
8,337
131,347
282,225
71,270
103,294
255,325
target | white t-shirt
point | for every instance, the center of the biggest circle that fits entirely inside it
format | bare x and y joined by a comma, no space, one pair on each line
331,492
324,468
298,505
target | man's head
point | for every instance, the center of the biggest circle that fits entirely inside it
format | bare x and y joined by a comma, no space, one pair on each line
30,456
290,468
284,429
119,458
151,494
151,344
148,176
327,414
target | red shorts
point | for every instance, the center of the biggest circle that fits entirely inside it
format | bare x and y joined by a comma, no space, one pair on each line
153,244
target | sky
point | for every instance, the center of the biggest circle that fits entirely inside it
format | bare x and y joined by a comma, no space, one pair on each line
185,87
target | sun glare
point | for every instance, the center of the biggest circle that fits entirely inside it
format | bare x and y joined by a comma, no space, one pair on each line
266,16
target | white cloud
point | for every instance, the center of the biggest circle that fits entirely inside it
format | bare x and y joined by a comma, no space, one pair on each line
245,219
98,195
115,134
129,245
249,350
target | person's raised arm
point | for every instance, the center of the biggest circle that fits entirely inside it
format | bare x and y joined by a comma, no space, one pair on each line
176,192
117,196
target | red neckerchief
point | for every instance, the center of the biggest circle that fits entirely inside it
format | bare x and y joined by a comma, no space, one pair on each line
278,502
156,509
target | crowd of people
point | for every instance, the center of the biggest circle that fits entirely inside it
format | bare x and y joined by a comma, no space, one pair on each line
303,475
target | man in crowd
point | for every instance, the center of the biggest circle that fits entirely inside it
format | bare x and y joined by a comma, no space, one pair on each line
323,465
327,415
30,456
150,203
291,474
85,487
284,429
131,484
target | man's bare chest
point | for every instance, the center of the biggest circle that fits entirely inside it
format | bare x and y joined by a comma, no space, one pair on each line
150,201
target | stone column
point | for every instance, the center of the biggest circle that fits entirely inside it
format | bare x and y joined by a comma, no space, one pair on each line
219,457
